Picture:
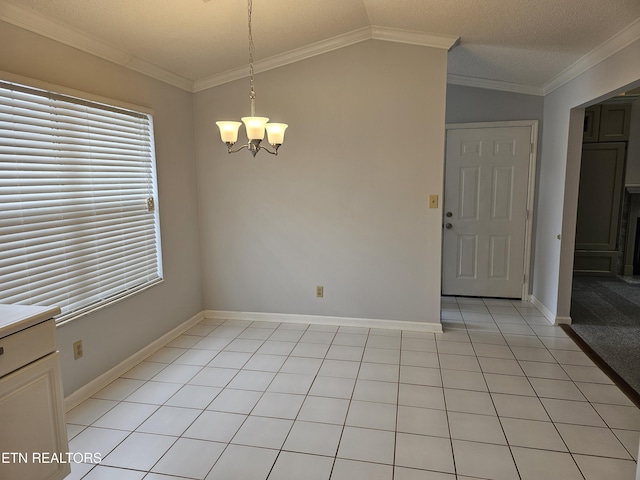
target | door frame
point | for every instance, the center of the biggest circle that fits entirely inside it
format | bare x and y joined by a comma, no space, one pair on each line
531,188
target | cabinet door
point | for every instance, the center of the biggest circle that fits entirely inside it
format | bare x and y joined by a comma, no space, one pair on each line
601,183
591,124
615,120
32,421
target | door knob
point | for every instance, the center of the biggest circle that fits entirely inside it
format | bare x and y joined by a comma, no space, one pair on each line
449,214
448,226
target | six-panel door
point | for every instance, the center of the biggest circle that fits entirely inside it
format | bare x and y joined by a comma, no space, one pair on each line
486,183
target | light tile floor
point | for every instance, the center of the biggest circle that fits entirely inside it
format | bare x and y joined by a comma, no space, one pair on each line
499,395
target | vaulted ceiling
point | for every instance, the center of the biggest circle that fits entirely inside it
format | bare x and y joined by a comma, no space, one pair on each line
521,45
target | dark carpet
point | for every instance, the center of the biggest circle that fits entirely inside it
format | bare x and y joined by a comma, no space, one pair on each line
605,313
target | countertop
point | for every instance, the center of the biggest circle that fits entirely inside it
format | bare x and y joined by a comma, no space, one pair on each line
14,318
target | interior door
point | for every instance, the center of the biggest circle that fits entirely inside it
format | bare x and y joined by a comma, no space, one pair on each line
485,205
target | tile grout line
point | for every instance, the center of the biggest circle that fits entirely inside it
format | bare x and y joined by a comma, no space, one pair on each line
258,401
446,410
506,438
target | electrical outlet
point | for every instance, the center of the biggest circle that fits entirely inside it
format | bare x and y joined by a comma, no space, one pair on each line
319,291
77,350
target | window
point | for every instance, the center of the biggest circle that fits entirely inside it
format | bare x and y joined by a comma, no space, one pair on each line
79,224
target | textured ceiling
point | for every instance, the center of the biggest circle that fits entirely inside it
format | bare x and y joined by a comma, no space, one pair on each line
523,42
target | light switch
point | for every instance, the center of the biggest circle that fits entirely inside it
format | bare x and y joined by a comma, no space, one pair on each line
433,201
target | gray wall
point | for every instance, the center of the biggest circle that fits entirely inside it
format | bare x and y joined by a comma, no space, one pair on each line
345,203
116,332
470,105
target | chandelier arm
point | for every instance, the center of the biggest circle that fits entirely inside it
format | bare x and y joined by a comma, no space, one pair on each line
229,150
262,147
253,147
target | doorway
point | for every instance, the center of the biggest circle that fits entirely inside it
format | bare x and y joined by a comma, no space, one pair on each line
605,295
488,197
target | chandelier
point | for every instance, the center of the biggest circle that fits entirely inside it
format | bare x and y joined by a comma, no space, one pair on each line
255,126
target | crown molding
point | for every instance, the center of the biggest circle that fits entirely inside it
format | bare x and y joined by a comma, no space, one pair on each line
41,25
414,38
36,23
324,46
494,85
149,69
292,56
612,46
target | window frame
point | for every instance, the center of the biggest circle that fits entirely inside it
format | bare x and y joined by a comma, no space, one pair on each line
46,90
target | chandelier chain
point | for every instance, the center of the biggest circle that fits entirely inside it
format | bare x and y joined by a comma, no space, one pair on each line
252,93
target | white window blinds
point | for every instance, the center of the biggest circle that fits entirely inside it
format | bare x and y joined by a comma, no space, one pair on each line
78,220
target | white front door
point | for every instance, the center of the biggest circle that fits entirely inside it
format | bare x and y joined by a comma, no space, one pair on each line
485,210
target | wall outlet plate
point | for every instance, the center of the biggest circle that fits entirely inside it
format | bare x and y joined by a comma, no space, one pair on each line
77,350
319,291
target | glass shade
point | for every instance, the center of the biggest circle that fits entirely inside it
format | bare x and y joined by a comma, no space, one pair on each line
229,131
255,127
275,133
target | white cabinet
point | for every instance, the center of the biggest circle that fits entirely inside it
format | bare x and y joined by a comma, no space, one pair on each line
33,439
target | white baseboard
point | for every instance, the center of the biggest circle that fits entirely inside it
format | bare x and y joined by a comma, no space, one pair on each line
548,314
80,395
326,320
77,397
563,321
